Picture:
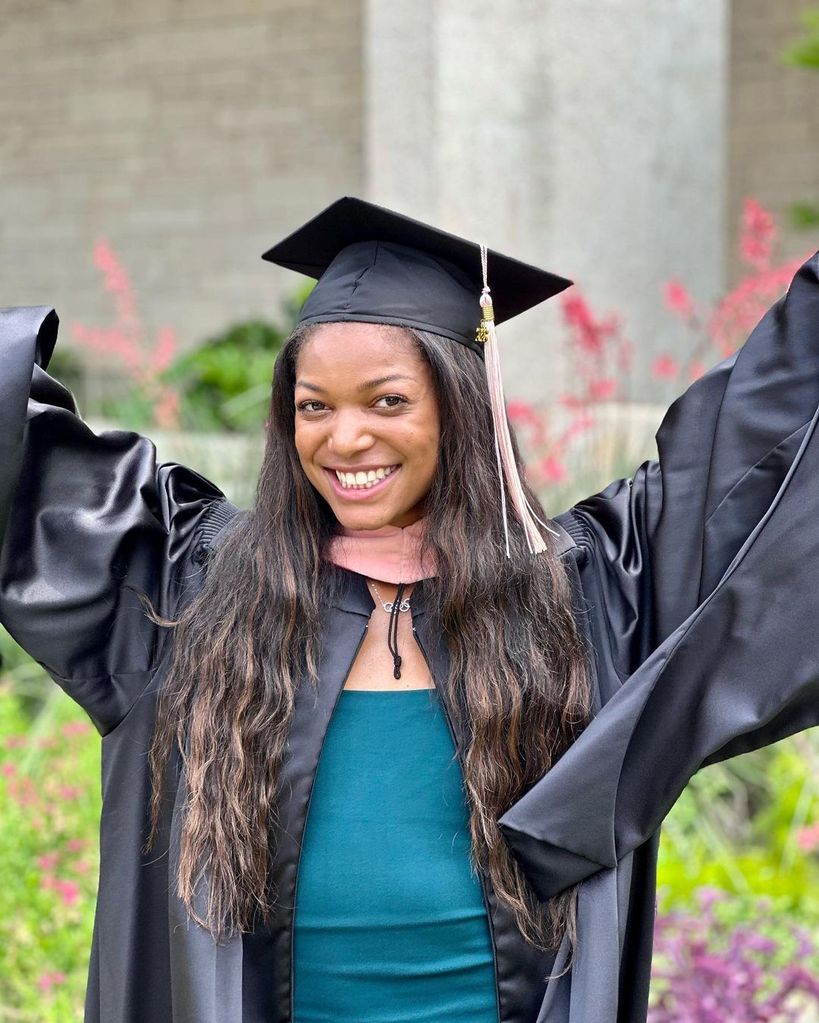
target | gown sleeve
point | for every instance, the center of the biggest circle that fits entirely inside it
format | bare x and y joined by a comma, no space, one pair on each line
87,523
704,568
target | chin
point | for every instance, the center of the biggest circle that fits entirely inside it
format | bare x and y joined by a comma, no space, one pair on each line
369,518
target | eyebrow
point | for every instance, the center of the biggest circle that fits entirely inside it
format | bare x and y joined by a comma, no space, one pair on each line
366,386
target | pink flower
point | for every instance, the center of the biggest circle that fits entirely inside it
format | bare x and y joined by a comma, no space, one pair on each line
665,367
74,845
741,309
808,838
551,469
524,416
590,334
601,390
758,234
8,769
15,742
69,793
48,861
22,791
164,350
46,981
68,891
74,728
678,301
166,409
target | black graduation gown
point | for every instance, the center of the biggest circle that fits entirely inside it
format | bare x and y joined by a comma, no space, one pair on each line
693,585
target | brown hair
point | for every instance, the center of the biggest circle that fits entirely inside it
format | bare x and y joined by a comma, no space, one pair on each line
518,682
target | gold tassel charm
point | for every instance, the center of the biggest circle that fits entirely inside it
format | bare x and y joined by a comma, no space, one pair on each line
507,469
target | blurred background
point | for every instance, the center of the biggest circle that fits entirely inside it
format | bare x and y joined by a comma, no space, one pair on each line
663,156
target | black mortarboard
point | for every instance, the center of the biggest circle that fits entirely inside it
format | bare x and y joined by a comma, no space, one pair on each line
375,265
378,266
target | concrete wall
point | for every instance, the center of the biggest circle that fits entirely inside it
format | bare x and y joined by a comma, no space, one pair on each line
191,135
583,136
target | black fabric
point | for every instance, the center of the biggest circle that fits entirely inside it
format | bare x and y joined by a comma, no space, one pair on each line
376,265
694,588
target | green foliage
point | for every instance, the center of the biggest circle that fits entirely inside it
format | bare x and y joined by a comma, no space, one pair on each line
740,826
224,384
49,857
66,365
804,215
805,52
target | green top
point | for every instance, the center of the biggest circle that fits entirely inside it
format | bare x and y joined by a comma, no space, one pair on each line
390,923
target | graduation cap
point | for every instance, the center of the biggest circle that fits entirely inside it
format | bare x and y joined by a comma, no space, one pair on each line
374,265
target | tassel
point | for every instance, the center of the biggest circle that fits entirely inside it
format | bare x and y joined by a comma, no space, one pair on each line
507,468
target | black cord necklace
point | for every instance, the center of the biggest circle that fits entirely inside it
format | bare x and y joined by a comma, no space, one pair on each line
393,609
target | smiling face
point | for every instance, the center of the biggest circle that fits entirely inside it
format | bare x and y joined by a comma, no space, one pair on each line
367,423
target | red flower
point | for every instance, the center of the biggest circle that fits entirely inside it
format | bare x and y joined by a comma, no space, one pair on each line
758,235
665,367
678,301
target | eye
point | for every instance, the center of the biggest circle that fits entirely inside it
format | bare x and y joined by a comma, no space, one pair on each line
304,406
393,400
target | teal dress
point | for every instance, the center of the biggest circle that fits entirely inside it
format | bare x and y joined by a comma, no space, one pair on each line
390,923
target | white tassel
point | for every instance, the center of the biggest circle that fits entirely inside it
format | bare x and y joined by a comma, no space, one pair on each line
507,468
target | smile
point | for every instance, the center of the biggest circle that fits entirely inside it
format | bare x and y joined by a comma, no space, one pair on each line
349,485
364,479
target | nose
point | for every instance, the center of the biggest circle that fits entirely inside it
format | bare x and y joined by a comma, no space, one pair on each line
349,435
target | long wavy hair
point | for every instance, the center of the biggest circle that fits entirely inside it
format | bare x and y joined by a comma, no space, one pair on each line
519,670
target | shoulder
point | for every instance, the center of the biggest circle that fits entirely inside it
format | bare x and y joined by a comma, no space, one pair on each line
212,526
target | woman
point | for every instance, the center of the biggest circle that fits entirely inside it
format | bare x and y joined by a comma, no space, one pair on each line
317,713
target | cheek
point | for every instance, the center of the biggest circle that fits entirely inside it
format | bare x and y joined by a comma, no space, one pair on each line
305,444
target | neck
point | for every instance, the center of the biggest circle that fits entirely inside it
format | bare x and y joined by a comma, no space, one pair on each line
391,554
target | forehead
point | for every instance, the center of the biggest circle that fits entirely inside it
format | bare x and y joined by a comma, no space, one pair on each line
342,349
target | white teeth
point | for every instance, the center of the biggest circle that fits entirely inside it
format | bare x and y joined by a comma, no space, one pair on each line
363,480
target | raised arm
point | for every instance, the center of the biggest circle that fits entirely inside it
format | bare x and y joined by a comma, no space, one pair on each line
717,546
86,522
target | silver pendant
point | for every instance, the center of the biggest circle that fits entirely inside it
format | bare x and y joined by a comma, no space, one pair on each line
403,606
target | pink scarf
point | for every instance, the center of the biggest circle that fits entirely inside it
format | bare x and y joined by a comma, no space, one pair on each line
391,554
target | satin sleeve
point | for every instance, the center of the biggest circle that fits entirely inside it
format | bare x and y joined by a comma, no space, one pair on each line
706,563
87,523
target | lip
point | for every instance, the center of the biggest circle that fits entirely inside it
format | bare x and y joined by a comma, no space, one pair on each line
357,468
359,495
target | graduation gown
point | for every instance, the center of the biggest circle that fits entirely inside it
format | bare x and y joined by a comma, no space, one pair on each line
693,587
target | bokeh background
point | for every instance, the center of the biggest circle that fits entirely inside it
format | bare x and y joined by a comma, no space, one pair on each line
663,156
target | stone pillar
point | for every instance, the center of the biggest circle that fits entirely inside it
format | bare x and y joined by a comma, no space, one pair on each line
586,137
